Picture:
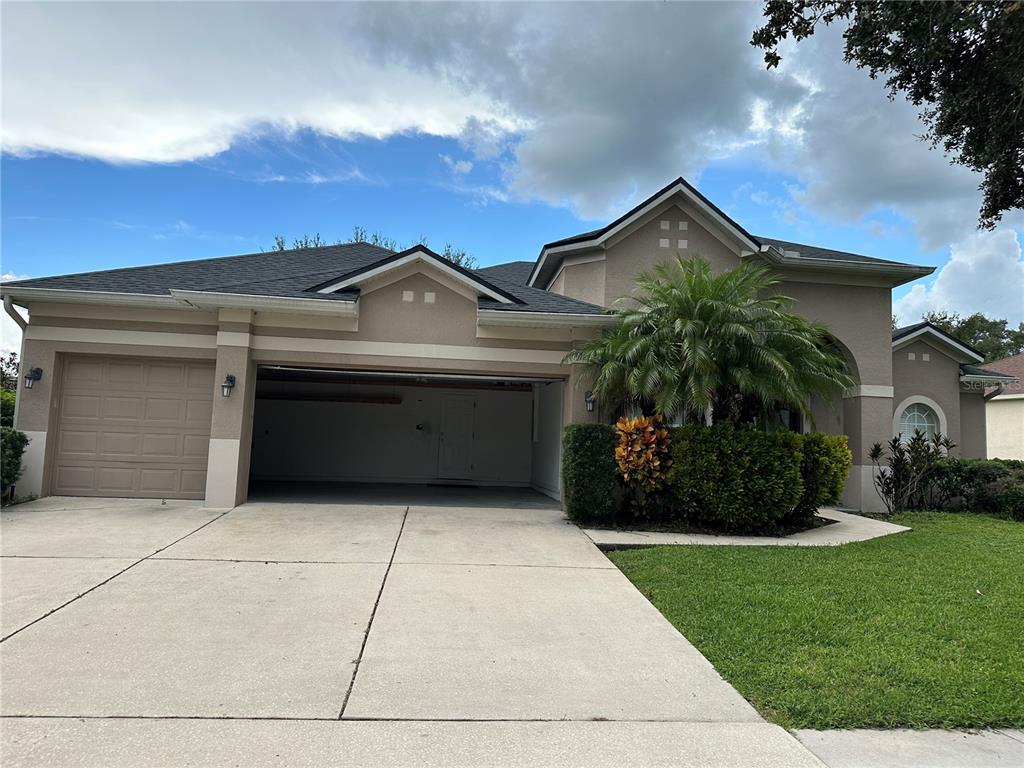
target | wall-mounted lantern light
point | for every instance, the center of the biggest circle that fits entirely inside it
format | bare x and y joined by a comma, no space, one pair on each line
33,375
589,399
227,386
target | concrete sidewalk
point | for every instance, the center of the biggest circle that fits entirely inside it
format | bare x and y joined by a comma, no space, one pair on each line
916,749
846,529
319,634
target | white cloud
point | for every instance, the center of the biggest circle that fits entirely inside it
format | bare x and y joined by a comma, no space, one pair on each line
169,82
10,332
984,274
458,167
586,105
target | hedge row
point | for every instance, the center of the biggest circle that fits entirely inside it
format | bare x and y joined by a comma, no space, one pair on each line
994,486
722,478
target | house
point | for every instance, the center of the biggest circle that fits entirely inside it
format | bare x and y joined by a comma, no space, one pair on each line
354,363
939,387
1004,410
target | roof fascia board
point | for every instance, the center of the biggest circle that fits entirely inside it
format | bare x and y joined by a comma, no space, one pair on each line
424,256
19,295
949,341
210,300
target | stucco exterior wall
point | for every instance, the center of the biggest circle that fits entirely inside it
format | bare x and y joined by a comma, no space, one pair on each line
639,249
936,378
1004,420
858,317
583,280
973,437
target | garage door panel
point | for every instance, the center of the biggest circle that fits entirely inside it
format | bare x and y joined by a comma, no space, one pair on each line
165,376
78,443
200,377
121,407
134,428
158,480
125,374
165,409
195,447
81,406
84,372
198,411
193,481
157,445
120,446
76,478
116,479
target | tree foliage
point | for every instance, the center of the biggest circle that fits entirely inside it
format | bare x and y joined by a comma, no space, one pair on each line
961,63
362,235
994,339
9,371
711,347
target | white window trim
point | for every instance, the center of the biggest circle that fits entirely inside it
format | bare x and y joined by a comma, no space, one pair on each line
898,412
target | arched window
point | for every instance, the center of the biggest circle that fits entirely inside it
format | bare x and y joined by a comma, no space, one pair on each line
918,416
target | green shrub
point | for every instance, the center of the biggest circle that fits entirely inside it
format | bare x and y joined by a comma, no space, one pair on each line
824,466
12,447
7,398
980,485
735,480
590,486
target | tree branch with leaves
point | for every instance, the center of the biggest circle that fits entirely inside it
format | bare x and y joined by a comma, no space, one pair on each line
961,63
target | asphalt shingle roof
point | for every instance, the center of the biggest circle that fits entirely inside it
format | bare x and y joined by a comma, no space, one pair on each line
292,274
827,254
977,370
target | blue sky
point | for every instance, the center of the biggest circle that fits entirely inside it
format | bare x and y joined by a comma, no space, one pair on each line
65,214
139,133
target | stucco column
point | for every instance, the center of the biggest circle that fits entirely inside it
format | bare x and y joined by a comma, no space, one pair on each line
227,471
32,414
575,404
867,419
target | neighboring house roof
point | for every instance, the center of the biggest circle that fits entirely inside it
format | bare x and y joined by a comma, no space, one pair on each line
1012,367
291,274
907,333
781,252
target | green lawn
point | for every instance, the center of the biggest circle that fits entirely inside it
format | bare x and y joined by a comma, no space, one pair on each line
921,629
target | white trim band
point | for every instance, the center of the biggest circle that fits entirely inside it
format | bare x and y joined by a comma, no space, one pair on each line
869,390
403,349
107,336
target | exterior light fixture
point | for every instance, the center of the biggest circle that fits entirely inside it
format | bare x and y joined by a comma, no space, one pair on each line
589,399
227,386
33,375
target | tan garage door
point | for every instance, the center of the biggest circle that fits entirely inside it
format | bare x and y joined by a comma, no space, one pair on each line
133,428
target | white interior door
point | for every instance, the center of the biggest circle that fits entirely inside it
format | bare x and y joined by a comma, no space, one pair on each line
455,457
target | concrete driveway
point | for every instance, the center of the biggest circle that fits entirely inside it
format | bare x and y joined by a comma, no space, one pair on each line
141,633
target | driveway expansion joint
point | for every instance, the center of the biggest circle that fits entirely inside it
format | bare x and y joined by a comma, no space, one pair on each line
93,588
373,612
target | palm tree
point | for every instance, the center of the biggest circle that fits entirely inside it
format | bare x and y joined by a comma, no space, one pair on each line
711,347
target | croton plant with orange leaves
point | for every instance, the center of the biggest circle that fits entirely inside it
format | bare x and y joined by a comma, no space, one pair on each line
644,455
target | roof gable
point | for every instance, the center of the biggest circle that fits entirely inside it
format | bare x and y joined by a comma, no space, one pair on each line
399,262
961,352
597,237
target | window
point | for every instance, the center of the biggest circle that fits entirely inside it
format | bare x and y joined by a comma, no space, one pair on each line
918,416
